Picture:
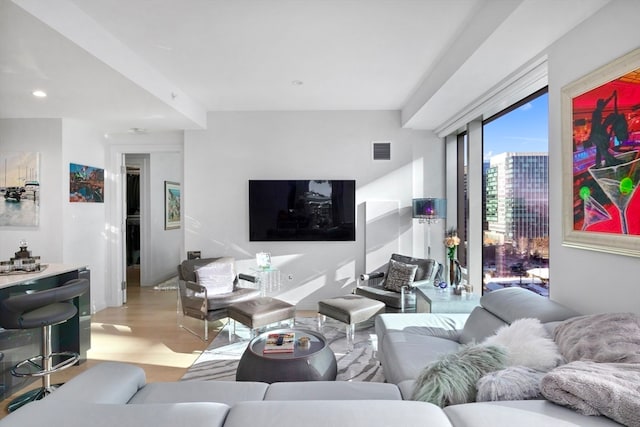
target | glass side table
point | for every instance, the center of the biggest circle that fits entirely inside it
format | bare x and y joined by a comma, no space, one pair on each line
267,279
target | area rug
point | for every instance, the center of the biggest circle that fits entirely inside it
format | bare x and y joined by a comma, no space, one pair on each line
220,360
168,285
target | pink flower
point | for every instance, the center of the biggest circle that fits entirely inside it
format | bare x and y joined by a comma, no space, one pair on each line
452,241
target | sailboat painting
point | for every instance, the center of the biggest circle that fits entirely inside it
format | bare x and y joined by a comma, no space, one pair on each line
20,189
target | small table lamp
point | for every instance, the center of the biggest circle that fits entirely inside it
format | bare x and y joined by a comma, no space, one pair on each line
429,210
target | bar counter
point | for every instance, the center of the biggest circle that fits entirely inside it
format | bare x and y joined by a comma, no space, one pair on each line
72,335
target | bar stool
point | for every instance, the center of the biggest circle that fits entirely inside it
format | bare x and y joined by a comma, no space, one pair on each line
41,309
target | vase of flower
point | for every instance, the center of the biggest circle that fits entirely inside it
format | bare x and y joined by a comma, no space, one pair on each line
451,242
455,276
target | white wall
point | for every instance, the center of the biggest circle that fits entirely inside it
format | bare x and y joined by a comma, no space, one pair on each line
69,233
237,147
163,254
588,281
84,241
43,136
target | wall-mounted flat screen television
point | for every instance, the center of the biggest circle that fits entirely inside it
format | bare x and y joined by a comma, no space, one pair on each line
302,210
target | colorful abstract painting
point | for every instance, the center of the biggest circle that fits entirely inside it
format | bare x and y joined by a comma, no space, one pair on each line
86,184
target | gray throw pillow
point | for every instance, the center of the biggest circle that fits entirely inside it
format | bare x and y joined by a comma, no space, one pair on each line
513,383
399,275
452,379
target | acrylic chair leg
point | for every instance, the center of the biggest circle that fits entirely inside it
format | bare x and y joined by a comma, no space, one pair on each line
321,318
350,333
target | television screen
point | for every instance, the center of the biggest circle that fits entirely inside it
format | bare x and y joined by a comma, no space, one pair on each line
302,210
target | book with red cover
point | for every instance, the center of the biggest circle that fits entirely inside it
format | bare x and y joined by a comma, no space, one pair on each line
280,343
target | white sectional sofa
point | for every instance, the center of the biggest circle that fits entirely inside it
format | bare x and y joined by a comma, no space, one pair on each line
116,394
408,343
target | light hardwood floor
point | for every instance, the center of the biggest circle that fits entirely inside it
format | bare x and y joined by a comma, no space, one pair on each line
143,332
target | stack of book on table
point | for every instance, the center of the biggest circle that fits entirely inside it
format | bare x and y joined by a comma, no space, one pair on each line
280,343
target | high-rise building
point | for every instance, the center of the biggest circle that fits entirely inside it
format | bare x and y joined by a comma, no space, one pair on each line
517,193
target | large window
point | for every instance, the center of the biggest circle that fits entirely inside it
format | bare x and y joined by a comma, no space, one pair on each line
515,189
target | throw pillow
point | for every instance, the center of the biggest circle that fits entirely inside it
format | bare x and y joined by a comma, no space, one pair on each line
606,337
513,383
452,379
217,277
527,344
399,275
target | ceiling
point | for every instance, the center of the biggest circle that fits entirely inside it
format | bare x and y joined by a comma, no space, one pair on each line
163,64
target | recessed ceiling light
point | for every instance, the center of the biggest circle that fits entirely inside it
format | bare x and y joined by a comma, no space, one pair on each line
297,82
39,93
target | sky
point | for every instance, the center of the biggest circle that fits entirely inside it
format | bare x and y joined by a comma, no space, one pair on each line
522,130
18,167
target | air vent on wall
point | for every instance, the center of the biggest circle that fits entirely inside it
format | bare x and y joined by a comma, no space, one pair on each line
381,150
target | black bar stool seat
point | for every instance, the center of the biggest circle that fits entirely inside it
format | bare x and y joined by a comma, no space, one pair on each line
42,309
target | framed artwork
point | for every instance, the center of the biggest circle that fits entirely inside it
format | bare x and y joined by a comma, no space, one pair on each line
171,205
20,189
601,158
86,184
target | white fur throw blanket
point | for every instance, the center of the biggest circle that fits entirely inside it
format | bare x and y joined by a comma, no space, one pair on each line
607,337
609,389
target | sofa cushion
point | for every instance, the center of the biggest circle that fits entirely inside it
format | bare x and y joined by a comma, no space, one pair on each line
452,379
480,325
406,355
510,304
406,388
332,390
432,324
107,382
352,413
227,392
399,275
528,413
74,414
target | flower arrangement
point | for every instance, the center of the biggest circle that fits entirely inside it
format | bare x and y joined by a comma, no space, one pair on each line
451,242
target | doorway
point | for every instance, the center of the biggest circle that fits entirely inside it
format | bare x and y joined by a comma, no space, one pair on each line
155,254
133,226
135,217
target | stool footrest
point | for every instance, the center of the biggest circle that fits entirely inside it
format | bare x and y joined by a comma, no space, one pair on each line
71,359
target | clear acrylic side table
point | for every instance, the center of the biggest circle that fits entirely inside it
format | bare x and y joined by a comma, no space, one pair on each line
268,280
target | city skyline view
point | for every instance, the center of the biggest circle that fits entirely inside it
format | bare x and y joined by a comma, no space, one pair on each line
515,154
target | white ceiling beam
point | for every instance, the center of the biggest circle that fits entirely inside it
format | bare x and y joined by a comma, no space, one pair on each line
66,18
488,16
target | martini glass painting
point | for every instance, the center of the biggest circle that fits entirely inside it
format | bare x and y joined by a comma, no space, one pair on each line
594,212
619,182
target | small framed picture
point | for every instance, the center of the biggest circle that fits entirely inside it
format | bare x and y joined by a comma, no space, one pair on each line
171,205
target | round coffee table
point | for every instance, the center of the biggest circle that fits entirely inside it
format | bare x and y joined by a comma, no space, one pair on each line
313,363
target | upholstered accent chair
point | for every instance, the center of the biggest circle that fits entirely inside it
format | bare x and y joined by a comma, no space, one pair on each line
394,284
207,287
